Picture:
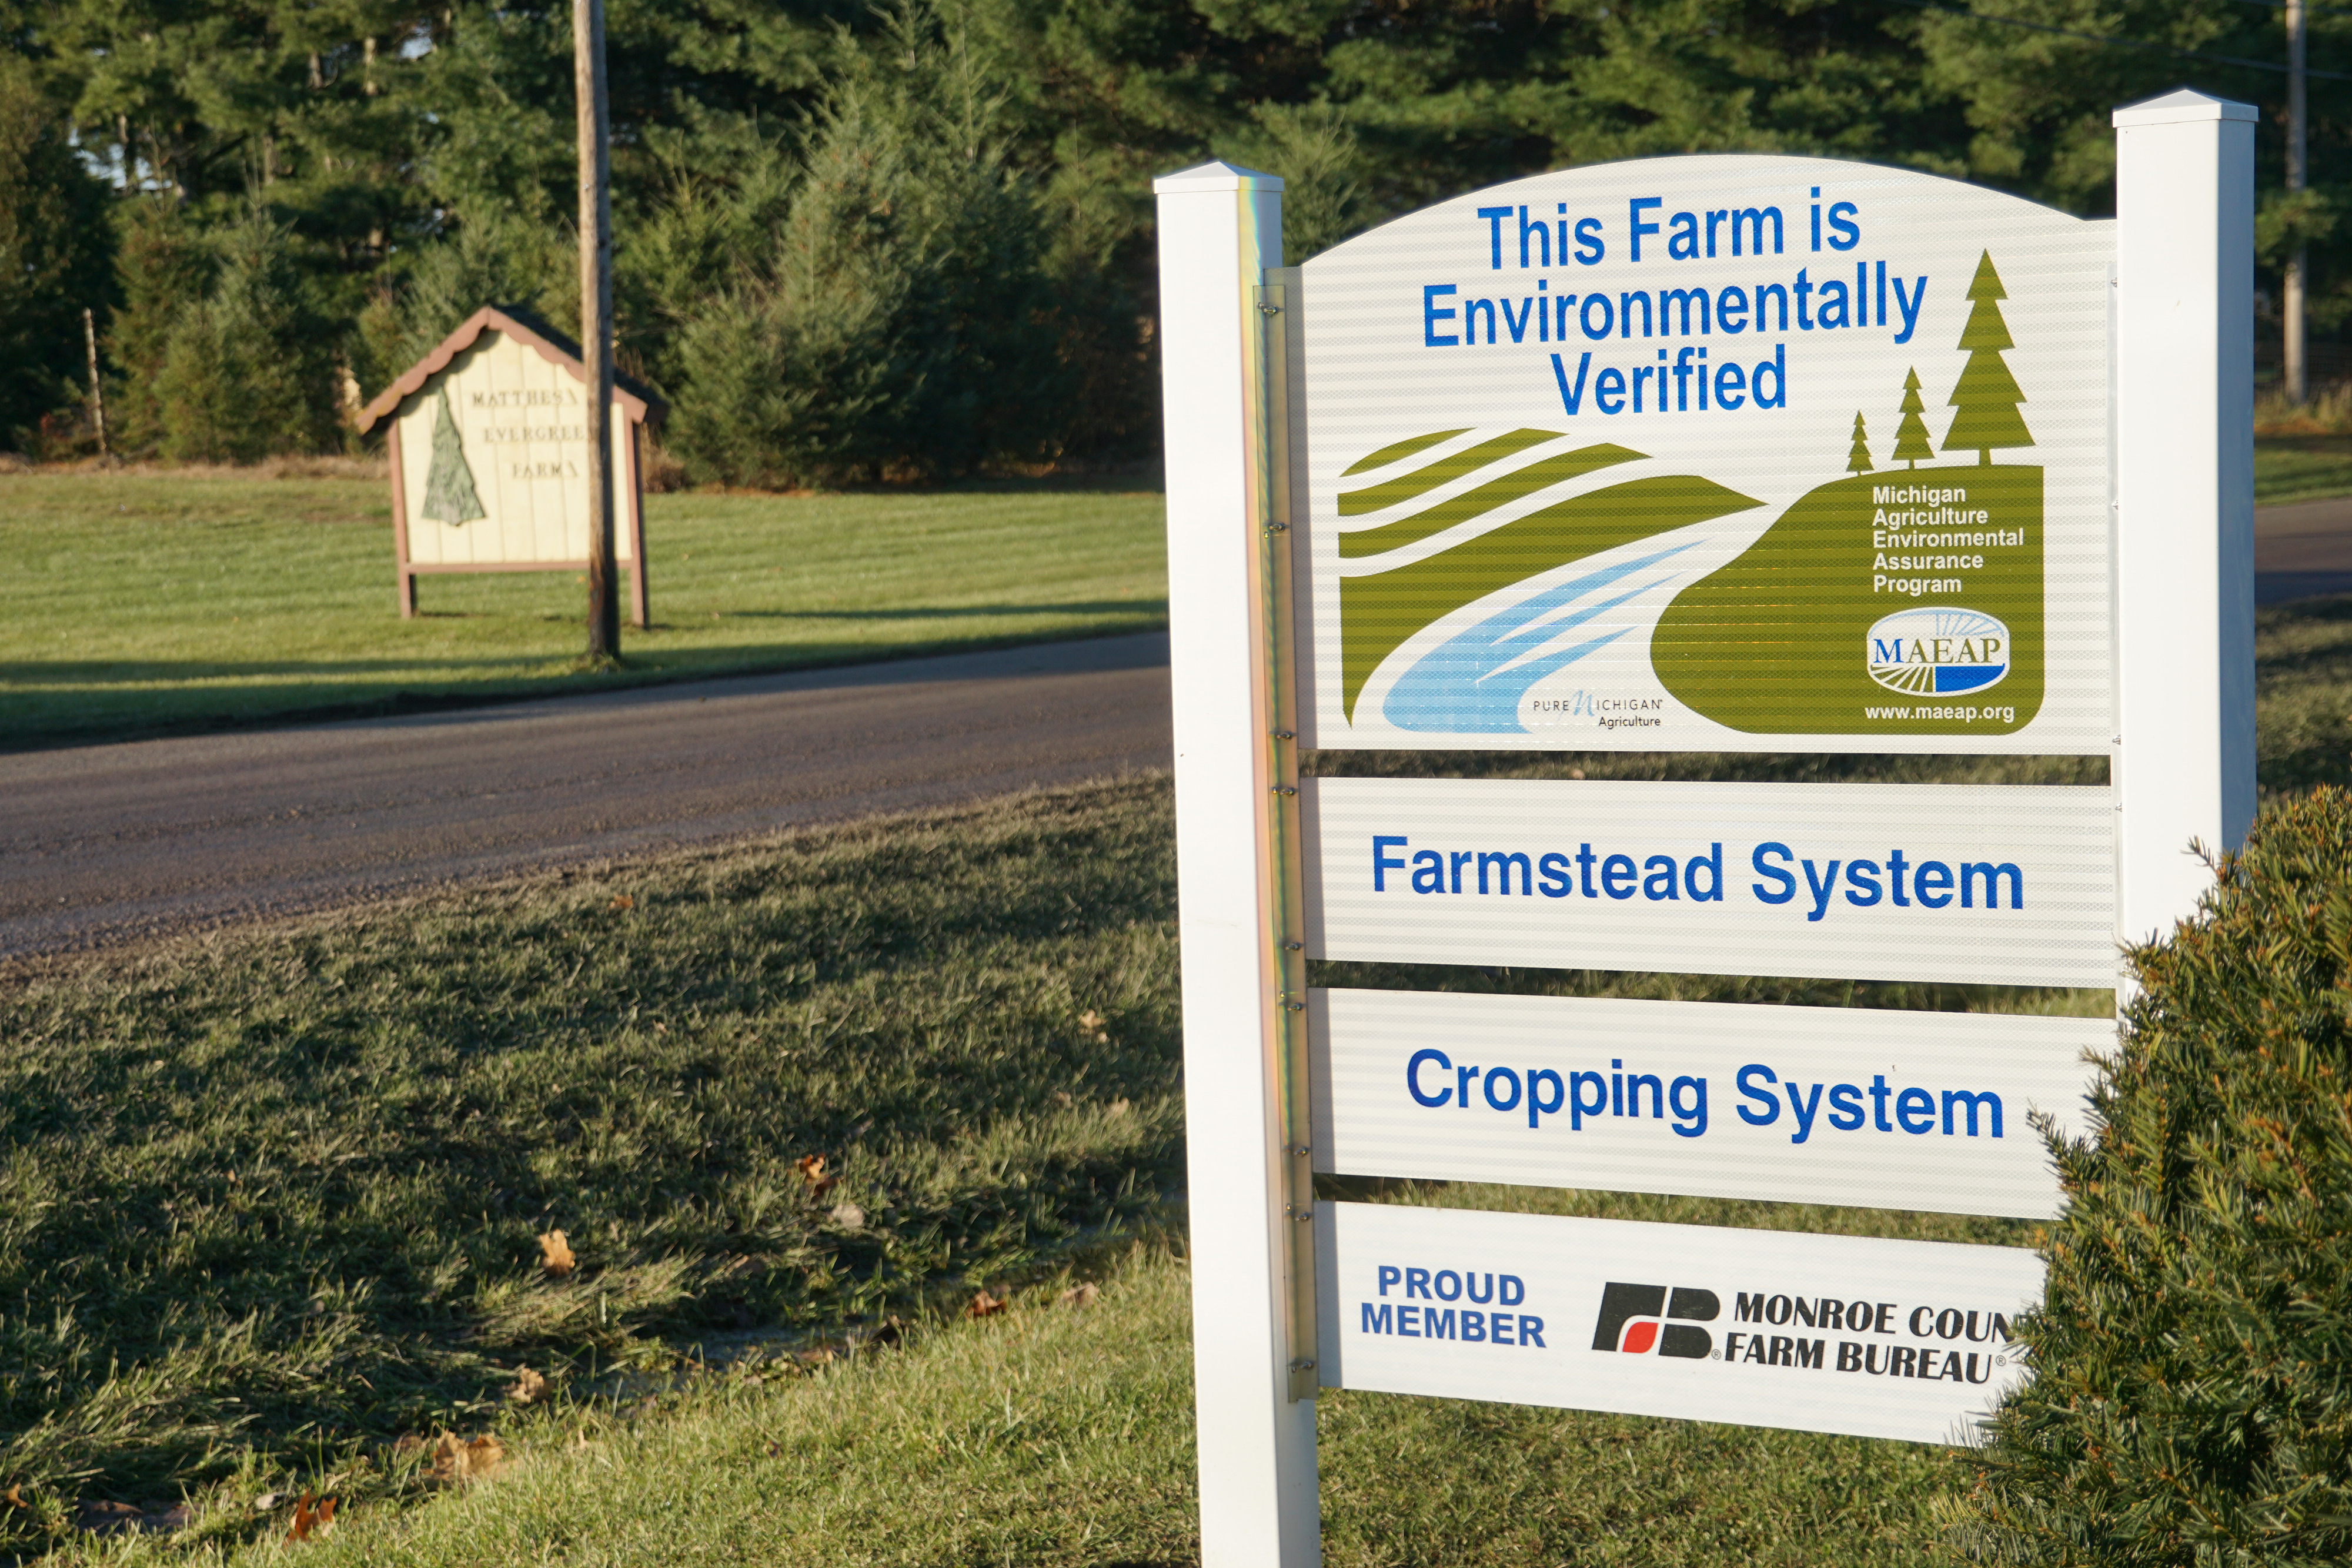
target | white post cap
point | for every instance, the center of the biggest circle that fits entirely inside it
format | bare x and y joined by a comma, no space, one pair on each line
2181,106
1214,175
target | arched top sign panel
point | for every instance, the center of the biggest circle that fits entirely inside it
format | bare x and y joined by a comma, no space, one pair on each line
1711,453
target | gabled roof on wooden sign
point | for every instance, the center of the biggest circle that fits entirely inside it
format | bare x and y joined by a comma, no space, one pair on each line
642,404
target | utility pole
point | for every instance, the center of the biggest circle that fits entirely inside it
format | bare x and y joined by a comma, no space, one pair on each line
97,392
2297,376
596,320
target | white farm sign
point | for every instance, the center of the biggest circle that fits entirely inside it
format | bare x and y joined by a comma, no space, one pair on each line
1687,455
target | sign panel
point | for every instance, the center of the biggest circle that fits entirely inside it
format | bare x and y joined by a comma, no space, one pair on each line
488,437
1712,454
1998,884
493,460
1764,1328
1833,1106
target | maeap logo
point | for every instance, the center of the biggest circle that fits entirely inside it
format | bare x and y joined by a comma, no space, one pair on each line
1643,1319
1930,652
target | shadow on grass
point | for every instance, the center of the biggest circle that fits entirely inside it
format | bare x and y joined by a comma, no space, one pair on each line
1146,479
1155,609
370,1122
83,674
355,689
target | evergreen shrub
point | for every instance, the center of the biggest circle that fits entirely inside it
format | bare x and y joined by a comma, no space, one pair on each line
2192,1397
906,325
250,373
161,273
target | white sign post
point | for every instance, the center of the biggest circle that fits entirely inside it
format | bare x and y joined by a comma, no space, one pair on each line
2184,464
1705,454
1220,232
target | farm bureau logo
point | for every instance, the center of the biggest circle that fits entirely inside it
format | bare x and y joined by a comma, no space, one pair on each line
1937,652
1638,1320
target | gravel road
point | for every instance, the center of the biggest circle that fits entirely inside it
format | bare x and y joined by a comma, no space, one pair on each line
104,844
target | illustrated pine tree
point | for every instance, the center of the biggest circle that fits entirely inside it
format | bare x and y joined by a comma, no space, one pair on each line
1987,395
449,496
1858,460
1911,435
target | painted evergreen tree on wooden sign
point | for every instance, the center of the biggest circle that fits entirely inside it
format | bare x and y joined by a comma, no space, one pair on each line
1911,435
1987,395
449,495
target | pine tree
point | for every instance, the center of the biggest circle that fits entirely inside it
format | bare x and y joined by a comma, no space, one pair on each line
162,275
1987,395
248,371
1911,435
449,496
1858,460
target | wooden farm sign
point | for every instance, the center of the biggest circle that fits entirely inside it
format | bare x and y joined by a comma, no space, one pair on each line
488,442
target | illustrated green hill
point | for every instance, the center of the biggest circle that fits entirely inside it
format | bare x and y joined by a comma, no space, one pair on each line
1379,610
1777,640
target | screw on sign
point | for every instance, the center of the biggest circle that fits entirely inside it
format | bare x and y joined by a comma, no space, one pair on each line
1710,454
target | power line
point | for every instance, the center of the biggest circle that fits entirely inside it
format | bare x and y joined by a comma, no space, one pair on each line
2116,42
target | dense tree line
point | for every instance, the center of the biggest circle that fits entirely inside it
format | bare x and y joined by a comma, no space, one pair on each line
857,240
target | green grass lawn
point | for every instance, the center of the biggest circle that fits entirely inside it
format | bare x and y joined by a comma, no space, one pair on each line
142,602
1063,1434
2301,468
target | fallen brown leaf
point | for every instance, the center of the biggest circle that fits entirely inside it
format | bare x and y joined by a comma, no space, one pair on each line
812,1169
311,1521
984,1305
1116,1107
555,1254
454,1461
1078,1295
1090,1019
14,1497
528,1388
622,901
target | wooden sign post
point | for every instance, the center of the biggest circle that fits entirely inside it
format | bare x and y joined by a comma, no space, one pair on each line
1702,453
489,449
